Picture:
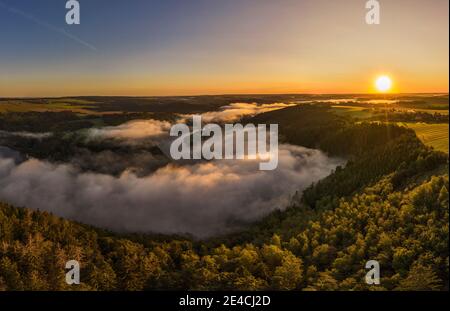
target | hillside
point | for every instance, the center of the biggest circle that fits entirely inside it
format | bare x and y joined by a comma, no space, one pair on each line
389,203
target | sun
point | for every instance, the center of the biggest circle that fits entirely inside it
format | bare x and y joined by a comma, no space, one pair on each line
383,84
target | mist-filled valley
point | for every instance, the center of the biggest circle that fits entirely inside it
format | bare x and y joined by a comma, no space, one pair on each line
200,199
118,178
356,179
238,154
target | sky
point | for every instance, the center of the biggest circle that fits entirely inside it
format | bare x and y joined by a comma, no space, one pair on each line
194,47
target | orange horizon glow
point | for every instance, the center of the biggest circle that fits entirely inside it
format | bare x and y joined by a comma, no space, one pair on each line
355,85
293,47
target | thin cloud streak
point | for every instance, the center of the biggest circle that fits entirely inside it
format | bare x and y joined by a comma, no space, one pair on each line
47,25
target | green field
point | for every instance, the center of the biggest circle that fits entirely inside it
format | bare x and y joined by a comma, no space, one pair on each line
435,135
353,111
53,105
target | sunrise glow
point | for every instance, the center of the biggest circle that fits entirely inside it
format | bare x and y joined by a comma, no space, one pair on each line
383,84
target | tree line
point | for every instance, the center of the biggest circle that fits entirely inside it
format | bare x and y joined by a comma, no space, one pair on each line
389,203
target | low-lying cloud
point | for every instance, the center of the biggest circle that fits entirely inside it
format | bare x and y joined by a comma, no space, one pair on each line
157,132
133,130
25,134
236,111
138,191
202,199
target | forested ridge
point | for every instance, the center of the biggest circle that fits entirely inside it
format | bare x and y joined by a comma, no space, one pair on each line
389,203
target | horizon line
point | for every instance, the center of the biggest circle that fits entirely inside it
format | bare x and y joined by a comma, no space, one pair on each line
225,94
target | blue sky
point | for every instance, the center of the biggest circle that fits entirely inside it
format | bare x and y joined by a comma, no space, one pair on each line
219,46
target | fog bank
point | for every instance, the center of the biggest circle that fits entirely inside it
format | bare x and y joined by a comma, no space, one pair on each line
203,199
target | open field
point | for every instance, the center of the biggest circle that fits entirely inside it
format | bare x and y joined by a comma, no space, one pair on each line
353,111
359,111
440,111
74,105
102,167
435,135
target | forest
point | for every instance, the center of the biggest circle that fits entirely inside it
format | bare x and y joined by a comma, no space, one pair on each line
388,203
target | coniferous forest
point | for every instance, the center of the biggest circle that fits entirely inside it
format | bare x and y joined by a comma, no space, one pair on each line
389,203
227,154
